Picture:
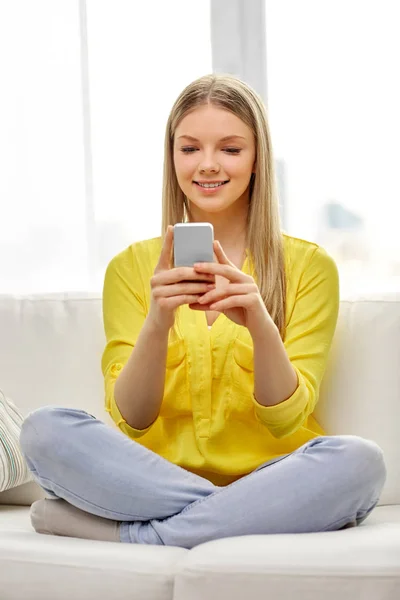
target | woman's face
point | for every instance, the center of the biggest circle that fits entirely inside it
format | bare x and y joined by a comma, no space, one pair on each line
214,146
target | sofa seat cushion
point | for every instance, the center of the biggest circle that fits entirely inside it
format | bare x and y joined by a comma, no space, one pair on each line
44,567
359,562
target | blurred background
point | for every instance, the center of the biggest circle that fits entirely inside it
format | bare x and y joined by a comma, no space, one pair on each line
86,89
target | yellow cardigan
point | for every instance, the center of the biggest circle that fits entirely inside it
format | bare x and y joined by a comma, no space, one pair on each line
209,422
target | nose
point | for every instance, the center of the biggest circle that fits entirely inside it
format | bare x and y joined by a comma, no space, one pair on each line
208,164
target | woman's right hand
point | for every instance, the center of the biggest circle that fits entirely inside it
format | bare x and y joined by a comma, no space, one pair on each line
173,286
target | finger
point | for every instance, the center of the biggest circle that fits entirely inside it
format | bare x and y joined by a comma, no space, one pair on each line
175,301
197,306
182,274
221,256
232,273
242,301
166,291
219,294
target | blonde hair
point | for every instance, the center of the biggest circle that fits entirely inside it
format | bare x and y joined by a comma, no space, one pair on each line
264,236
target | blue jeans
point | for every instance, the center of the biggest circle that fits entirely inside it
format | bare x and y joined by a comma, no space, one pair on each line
329,482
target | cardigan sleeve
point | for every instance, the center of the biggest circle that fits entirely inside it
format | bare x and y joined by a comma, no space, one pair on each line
308,340
124,313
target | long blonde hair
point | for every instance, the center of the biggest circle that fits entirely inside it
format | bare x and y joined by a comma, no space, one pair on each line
264,236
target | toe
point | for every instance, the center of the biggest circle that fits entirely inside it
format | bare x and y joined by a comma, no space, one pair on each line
38,516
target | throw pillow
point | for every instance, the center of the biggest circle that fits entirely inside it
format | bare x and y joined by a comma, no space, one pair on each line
13,468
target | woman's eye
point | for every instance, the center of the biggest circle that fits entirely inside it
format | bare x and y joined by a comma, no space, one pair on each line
191,149
188,149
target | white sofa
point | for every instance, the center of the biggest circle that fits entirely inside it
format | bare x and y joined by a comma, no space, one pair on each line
50,349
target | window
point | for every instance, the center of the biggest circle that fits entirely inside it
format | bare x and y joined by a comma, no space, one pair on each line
141,55
333,98
86,91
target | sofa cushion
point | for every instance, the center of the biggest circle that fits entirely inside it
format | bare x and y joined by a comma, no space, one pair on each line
45,567
361,388
52,346
360,562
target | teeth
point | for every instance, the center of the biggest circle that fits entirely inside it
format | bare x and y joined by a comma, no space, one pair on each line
210,185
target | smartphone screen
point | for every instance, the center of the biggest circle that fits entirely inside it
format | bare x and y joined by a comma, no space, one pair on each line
193,242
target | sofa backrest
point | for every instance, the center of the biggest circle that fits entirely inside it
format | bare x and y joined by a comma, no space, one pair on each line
360,392
51,347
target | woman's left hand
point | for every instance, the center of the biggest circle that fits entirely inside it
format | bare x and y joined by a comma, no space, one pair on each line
240,300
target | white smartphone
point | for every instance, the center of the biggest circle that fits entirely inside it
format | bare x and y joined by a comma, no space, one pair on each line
193,242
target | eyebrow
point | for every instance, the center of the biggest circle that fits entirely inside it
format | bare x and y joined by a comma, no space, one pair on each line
224,139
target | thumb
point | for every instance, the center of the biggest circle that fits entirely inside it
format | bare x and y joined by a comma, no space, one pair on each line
220,254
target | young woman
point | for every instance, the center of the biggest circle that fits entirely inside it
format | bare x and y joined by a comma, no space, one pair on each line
212,373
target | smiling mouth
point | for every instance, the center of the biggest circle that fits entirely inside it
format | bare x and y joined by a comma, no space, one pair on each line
211,185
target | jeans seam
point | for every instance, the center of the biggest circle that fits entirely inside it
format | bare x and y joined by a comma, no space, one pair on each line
341,521
157,534
359,515
129,517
